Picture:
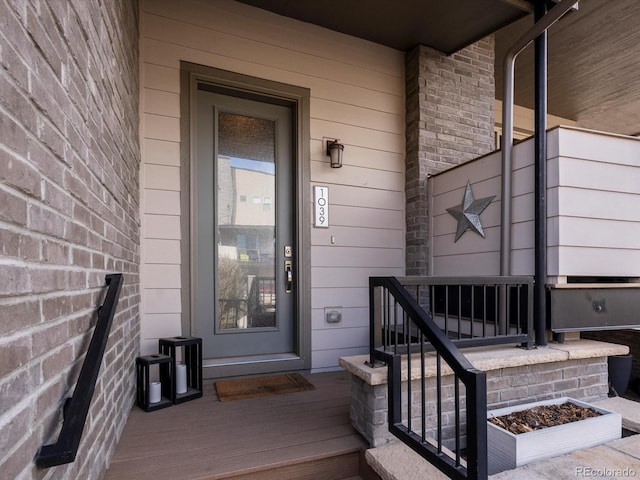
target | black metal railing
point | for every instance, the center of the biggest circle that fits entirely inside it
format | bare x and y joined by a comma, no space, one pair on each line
428,415
76,408
471,311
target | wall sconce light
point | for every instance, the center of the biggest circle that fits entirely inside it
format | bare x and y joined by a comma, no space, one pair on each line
334,151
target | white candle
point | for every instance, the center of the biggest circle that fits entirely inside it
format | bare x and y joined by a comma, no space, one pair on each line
181,378
155,389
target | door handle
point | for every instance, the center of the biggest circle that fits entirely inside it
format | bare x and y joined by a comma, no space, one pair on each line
288,283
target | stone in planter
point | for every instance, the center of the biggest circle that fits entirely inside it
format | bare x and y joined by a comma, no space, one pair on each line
508,451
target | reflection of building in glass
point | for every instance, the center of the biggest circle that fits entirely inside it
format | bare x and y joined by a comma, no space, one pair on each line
246,236
246,219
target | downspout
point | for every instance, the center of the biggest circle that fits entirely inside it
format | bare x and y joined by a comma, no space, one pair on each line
540,191
507,129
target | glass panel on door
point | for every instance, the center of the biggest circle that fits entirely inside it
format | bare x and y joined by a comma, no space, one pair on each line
246,221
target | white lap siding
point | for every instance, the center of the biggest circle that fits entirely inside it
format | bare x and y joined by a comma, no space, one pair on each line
593,223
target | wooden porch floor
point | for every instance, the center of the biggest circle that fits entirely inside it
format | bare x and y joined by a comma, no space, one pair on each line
260,438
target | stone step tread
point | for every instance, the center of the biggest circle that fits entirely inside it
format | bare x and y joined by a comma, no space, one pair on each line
396,461
628,410
490,359
621,455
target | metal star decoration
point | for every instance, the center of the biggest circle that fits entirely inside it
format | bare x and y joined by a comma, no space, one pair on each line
468,213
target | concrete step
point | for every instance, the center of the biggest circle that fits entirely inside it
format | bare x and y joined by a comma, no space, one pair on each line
628,410
396,461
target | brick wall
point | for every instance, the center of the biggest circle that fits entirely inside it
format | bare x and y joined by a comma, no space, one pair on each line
69,214
450,119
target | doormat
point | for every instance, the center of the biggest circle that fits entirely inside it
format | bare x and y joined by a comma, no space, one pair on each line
262,386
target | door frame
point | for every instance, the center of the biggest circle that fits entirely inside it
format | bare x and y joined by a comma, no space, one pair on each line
258,89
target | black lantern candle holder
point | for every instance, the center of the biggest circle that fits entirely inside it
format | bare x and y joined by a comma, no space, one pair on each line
192,358
143,381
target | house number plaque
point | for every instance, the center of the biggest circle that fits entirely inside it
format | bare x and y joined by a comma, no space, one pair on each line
321,206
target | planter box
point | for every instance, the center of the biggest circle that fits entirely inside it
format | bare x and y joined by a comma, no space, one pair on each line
508,451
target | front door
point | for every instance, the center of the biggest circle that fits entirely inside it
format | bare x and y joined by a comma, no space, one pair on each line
243,266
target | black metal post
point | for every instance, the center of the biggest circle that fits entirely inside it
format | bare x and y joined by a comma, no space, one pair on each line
476,402
372,322
540,160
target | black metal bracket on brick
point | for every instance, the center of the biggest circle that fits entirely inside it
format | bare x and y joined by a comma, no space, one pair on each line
76,408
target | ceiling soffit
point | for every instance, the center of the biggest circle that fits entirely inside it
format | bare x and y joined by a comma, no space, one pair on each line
447,26
593,66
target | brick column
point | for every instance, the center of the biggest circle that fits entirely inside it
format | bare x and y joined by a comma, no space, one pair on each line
450,119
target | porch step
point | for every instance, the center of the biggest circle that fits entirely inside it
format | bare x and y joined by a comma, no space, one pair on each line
340,460
346,466
337,467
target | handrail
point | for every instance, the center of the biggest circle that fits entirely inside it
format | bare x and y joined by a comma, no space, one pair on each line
473,379
76,408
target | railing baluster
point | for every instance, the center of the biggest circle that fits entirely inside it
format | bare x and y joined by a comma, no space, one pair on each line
446,310
497,319
484,310
459,312
395,326
439,401
507,319
408,343
386,339
406,330
519,325
473,310
386,334
456,396
423,388
432,309
390,331
530,316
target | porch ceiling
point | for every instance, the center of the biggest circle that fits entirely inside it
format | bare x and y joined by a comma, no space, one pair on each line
593,66
593,69
447,25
